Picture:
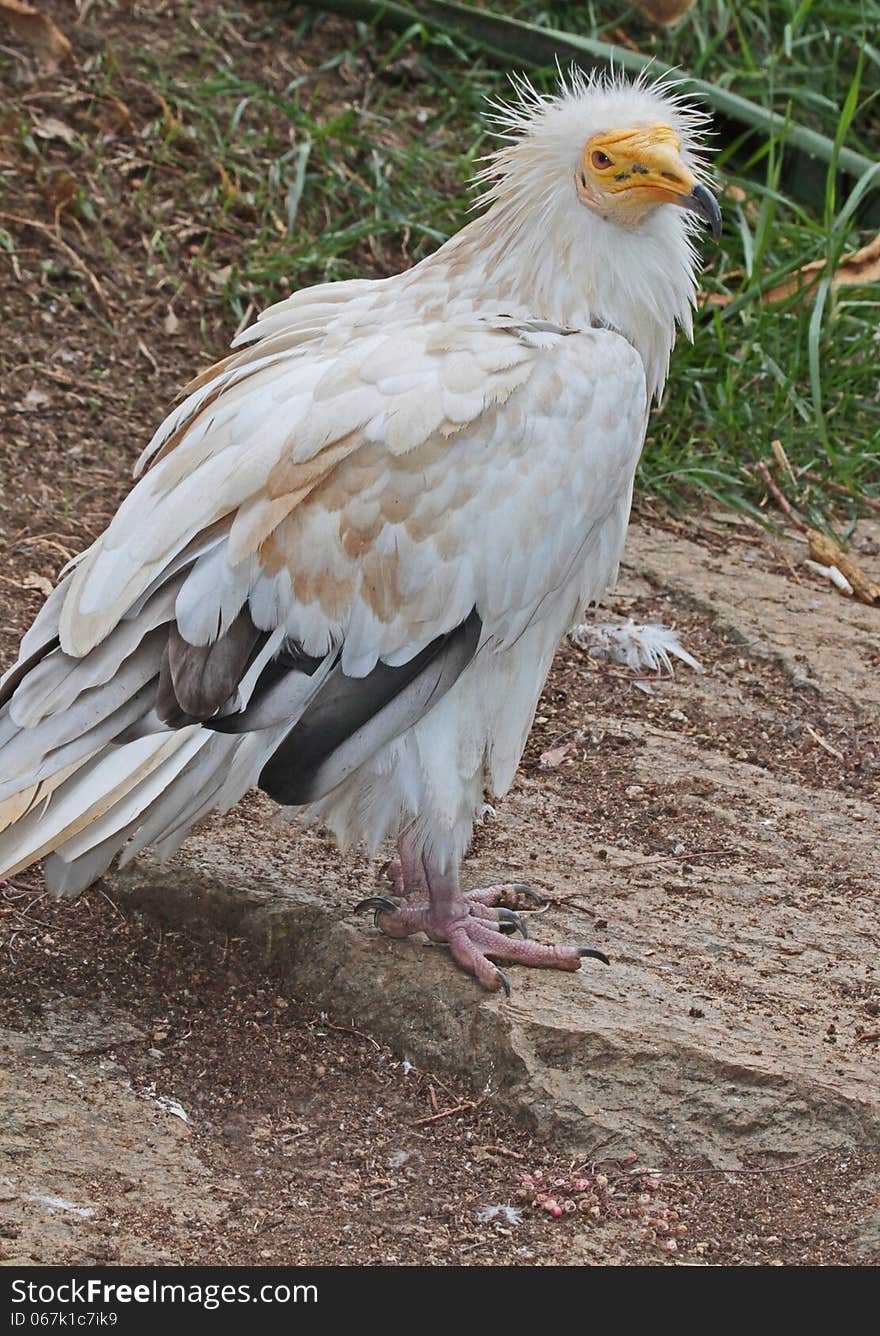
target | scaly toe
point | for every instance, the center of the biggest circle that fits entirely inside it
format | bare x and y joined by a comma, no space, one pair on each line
511,951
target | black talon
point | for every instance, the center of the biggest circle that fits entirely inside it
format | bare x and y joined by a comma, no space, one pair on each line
594,954
380,904
510,921
505,982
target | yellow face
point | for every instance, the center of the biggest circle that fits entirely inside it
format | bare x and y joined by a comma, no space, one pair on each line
626,173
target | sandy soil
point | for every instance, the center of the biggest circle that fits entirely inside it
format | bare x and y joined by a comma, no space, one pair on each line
219,1063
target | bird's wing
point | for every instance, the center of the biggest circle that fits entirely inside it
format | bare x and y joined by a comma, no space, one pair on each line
370,498
329,537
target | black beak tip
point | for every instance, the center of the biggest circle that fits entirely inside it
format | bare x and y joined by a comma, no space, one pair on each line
703,203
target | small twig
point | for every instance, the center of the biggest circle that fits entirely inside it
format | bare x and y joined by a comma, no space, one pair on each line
762,1169
570,904
344,1029
111,903
472,1247
781,500
149,356
840,490
63,379
782,460
467,1106
501,1150
826,746
685,857
39,923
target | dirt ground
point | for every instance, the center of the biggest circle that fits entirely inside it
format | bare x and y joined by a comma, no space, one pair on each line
219,1063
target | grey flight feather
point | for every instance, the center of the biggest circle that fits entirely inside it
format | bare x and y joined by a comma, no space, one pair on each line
284,690
352,717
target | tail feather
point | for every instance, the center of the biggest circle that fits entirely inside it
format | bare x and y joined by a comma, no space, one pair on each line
85,797
33,762
87,766
14,808
161,808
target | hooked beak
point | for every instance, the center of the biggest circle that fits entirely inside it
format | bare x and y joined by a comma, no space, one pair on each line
703,203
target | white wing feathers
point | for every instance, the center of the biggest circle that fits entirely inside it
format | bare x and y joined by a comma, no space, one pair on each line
246,435
426,447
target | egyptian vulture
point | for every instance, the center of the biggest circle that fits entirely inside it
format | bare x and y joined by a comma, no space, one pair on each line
354,546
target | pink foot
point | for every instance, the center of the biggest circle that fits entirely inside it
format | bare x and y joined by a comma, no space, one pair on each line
473,924
473,942
498,904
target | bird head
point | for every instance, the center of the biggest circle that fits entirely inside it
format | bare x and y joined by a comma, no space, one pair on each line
621,148
595,199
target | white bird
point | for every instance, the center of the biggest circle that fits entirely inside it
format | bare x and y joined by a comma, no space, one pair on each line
355,545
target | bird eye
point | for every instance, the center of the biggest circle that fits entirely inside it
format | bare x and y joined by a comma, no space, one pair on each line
600,159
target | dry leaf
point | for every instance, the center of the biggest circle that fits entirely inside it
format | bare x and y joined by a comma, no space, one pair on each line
41,582
35,399
49,127
554,756
854,270
827,553
171,324
861,266
47,42
220,277
666,12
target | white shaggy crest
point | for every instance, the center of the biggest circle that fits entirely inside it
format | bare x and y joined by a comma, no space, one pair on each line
566,262
538,128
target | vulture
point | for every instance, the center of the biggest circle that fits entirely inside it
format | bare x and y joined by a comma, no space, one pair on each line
354,545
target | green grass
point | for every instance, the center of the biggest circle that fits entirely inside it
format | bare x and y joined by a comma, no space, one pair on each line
361,165
316,188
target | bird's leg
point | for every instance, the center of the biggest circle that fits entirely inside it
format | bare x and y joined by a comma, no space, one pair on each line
407,870
475,942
